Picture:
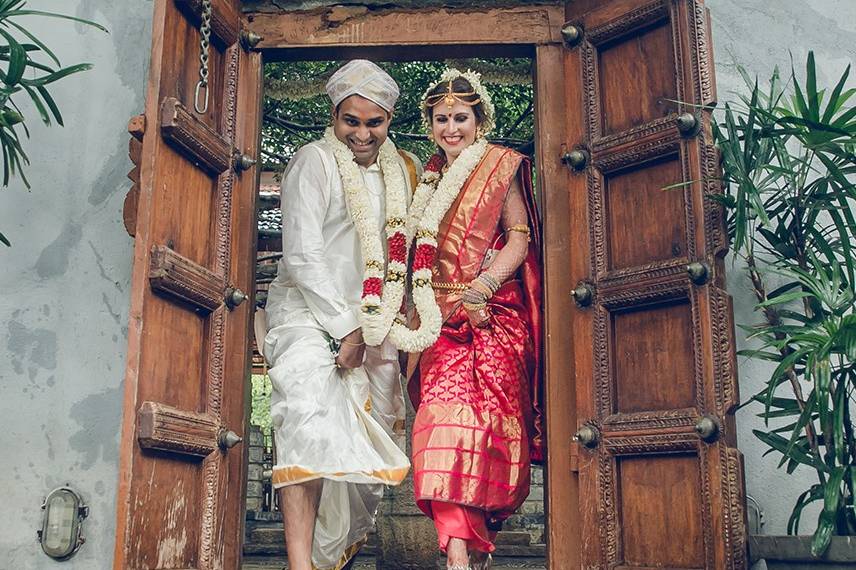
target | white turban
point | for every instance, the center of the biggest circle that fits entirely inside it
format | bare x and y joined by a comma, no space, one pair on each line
364,78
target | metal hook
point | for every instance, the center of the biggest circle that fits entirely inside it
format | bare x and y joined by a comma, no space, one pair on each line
203,108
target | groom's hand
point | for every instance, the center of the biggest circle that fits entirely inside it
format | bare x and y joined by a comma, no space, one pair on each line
352,350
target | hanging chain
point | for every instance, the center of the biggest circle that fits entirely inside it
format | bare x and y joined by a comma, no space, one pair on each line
204,45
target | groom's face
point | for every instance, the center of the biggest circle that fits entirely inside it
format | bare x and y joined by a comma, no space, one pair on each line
363,126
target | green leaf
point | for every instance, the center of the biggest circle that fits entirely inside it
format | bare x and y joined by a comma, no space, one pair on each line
813,494
55,15
823,535
836,100
17,60
838,423
826,522
780,444
783,298
51,104
57,75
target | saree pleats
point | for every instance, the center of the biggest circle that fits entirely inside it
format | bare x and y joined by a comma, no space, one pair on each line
473,433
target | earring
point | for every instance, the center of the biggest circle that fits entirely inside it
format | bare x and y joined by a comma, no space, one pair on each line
431,137
479,132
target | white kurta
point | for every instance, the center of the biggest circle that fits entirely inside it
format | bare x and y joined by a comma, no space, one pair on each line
329,423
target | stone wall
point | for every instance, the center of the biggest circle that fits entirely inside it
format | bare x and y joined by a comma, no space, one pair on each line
257,471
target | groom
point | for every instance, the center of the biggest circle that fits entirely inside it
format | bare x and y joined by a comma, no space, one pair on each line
334,444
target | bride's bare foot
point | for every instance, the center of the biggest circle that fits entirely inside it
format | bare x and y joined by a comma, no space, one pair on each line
456,555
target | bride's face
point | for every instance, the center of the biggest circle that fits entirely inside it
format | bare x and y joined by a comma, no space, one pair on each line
454,129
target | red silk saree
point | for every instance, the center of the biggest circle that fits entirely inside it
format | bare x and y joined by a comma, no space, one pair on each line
477,425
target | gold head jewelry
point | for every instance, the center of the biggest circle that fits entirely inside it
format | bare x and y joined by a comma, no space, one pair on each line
450,96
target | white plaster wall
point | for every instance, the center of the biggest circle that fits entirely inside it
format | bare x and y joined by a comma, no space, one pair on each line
64,286
758,35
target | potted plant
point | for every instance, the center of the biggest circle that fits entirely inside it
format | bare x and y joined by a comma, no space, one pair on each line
789,170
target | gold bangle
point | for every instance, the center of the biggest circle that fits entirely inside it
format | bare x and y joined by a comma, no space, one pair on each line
343,341
490,281
522,228
481,287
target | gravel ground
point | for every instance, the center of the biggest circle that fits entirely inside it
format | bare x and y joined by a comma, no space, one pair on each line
367,563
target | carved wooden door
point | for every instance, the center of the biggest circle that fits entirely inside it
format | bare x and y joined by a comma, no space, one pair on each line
660,478
182,468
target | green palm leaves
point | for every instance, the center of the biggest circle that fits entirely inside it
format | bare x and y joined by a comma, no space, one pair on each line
27,65
789,168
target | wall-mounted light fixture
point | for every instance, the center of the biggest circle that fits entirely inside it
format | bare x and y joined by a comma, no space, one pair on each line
63,516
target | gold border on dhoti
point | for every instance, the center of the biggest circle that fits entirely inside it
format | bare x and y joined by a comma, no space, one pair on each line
349,553
294,474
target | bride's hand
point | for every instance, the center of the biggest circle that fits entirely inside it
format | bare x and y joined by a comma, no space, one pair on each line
475,305
479,317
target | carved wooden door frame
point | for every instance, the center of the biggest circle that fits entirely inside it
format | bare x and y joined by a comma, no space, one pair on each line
191,211
521,31
546,34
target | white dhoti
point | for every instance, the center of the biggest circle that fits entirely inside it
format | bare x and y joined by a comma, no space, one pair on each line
338,425
329,423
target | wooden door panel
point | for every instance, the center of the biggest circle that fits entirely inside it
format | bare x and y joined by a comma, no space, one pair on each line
662,491
636,86
653,358
185,224
181,487
645,224
181,38
660,478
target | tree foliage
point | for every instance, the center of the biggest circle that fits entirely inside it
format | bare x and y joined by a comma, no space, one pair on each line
290,123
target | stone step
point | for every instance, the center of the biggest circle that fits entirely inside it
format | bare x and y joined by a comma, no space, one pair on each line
267,540
368,563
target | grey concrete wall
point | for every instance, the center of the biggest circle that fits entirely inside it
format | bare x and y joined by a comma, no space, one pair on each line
758,35
64,286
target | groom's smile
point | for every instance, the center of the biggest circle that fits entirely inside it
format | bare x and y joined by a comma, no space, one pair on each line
363,126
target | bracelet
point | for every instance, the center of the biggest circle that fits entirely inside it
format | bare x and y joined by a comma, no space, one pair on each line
474,306
490,281
343,341
481,287
522,228
473,295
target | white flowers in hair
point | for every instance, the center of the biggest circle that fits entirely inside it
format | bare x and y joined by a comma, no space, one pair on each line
475,80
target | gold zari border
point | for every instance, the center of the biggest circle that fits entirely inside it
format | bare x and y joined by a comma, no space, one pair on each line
294,474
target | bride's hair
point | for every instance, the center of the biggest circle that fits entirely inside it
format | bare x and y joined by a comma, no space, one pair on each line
459,85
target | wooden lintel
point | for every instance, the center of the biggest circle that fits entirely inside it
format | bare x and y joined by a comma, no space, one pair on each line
165,428
179,278
225,20
345,26
201,144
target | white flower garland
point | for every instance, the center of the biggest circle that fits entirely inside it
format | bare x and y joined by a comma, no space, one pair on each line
430,203
383,282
